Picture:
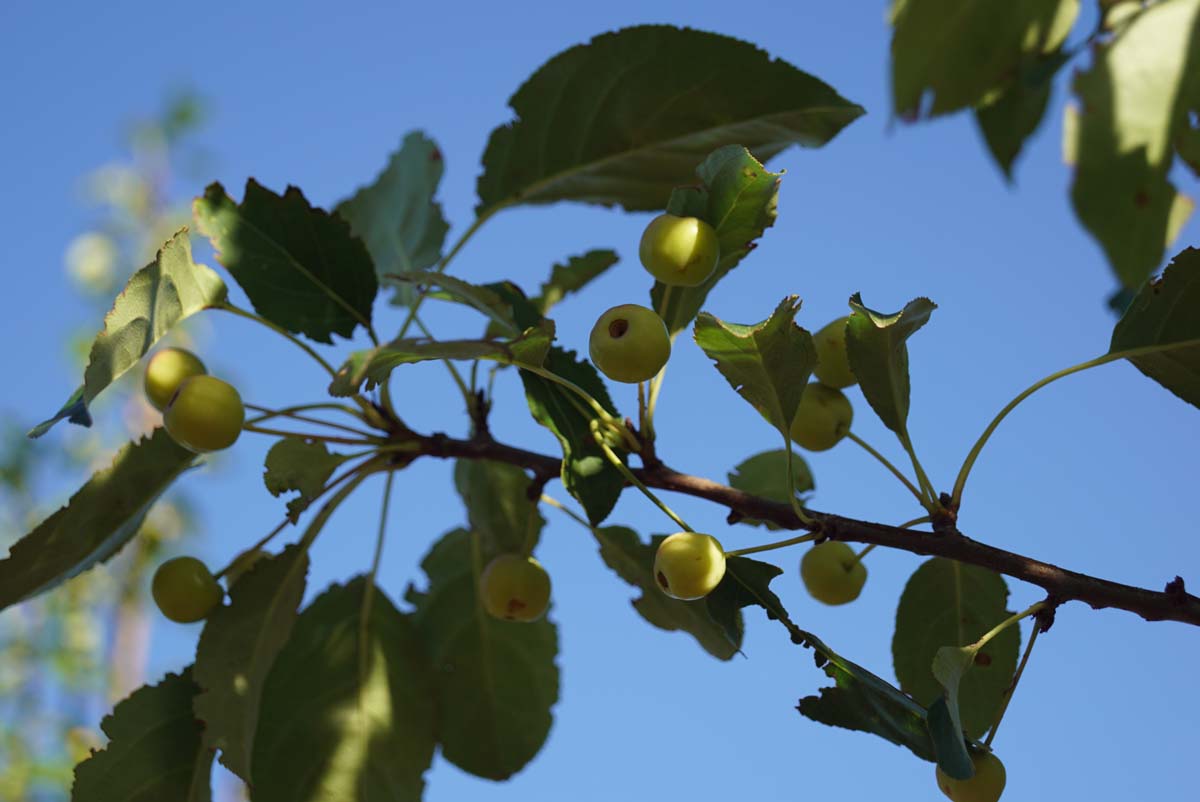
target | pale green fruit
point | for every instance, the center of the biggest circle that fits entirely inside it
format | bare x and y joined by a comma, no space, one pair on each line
515,588
630,344
823,418
205,414
679,251
185,590
688,565
986,786
166,370
833,363
832,574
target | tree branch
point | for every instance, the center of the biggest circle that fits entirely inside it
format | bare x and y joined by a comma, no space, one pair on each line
1173,603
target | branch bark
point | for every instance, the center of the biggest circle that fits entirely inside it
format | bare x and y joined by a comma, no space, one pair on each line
1173,603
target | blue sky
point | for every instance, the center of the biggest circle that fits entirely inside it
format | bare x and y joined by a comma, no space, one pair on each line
1097,472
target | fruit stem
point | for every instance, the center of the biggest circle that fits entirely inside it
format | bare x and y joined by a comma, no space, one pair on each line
931,502
364,618
633,480
1005,624
237,310
642,408
292,413
804,517
1012,688
772,546
553,502
249,427
924,519
865,446
655,388
969,463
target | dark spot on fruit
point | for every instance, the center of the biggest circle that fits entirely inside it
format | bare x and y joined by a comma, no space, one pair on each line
662,581
515,606
1141,199
983,659
617,328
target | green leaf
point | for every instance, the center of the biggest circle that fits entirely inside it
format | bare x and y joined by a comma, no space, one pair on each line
861,701
347,711
495,682
154,750
1010,117
768,363
74,410
294,463
588,476
397,217
765,475
573,277
99,519
950,664
615,121
374,365
876,345
499,509
237,649
949,748
1187,141
959,51
737,197
1133,103
633,561
156,298
746,583
300,266
1165,318
483,299
947,603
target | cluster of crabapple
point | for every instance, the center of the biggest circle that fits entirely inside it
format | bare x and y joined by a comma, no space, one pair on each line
630,343
202,414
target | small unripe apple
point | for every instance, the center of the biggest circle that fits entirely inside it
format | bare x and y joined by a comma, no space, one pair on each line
688,565
185,590
205,414
833,363
630,343
822,419
166,370
679,251
515,588
986,786
832,573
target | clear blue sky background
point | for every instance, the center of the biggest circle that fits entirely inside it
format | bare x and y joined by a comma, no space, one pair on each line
1098,472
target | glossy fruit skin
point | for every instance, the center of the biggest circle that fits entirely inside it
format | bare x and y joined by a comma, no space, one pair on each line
205,414
185,590
630,344
688,565
679,251
514,587
823,418
833,363
166,370
986,786
831,573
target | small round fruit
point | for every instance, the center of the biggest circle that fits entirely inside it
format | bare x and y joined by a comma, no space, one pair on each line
823,418
832,573
630,343
986,786
166,370
689,565
679,251
515,588
185,590
833,363
205,414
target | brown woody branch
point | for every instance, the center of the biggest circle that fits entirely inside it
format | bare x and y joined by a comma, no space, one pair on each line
1173,603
